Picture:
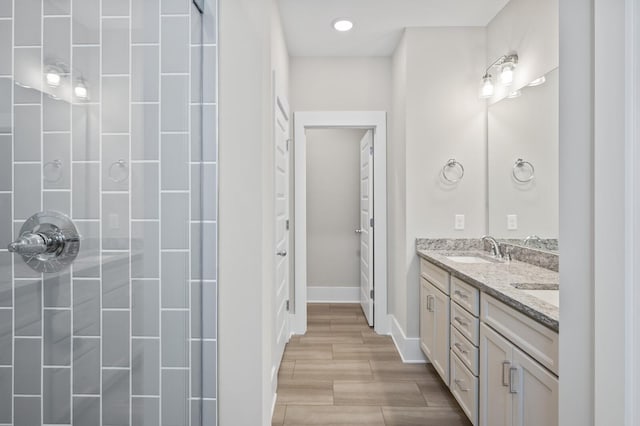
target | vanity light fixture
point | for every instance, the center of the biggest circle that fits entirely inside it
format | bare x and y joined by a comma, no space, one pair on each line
507,65
538,81
515,94
342,24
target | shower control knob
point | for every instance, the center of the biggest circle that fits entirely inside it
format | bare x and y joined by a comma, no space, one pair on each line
30,245
48,242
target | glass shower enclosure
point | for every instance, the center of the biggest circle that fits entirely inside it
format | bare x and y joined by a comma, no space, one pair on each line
108,224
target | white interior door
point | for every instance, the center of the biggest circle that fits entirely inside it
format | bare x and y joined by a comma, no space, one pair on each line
281,255
366,226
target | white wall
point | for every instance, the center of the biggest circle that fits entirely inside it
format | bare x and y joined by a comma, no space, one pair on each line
340,84
525,127
244,96
333,207
246,277
397,177
443,119
530,28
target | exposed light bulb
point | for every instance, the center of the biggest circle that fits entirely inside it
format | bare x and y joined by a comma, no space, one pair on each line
487,87
53,78
538,81
506,75
80,90
342,25
515,94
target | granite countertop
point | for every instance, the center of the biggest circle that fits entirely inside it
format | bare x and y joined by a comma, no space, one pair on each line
496,278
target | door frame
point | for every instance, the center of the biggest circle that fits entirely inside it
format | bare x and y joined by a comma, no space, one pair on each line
377,121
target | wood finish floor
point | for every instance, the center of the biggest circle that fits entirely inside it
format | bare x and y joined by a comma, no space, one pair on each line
342,373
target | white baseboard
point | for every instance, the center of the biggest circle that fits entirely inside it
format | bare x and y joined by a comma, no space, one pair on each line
333,294
408,347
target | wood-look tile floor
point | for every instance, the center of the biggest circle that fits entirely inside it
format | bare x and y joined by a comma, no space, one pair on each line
342,373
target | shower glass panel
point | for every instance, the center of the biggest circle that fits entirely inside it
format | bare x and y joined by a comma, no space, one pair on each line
107,118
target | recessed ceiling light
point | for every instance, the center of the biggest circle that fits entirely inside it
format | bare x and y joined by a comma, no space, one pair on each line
342,24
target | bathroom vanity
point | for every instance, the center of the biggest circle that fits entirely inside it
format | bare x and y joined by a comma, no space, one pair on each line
490,329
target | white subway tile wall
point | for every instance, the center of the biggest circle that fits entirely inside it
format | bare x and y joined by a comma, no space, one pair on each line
108,113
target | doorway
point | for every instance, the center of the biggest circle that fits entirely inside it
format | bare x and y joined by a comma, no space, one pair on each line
372,263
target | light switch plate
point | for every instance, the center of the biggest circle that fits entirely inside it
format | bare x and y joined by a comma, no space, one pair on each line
512,222
459,222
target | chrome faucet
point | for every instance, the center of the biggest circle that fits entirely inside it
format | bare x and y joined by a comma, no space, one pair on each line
531,238
495,247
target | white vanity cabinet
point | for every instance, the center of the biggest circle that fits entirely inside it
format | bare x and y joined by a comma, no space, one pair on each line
465,337
515,388
434,317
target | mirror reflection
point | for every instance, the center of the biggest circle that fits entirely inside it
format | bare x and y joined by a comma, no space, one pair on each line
523,165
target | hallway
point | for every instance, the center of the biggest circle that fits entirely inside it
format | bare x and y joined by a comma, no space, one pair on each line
341,372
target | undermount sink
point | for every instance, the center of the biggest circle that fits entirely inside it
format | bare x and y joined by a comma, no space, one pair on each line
468,259
547,292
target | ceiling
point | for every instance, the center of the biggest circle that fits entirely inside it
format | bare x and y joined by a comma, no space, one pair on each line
378,23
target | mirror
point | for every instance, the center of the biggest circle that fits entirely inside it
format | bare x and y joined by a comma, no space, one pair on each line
523,165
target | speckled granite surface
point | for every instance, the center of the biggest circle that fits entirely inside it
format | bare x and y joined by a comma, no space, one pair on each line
533,256
542,258
496,278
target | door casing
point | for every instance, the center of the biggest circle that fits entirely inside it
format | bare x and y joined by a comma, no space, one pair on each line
377,121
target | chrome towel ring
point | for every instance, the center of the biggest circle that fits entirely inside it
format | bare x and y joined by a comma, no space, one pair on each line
528,171
453,166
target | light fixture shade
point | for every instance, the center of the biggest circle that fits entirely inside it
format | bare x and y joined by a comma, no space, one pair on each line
515,94
486,91
538,81
506,74
80,90
53,78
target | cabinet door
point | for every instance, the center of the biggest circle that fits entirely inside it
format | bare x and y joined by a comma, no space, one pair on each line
496,402
427,322
536,400
440,359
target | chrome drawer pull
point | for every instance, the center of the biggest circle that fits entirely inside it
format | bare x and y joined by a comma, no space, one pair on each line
461,294
460,321
460,384
461,348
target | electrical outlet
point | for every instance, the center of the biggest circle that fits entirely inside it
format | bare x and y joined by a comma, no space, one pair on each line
459,222
512,222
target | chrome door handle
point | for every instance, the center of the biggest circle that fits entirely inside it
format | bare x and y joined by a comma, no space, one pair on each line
359,231
513,387
505,375
282,253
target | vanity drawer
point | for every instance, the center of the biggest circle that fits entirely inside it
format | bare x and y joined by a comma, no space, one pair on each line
465,350
466,323
437,276
536,340
465,295
464,387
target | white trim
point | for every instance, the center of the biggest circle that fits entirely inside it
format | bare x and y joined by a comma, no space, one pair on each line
376,120
316,294
632,207
408,347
